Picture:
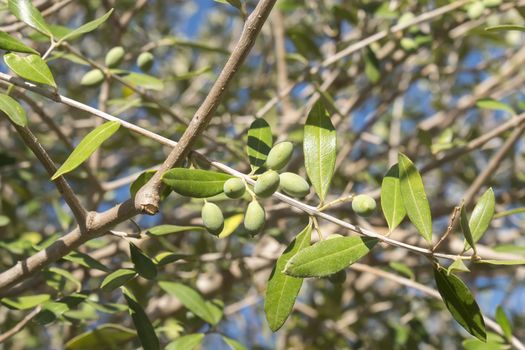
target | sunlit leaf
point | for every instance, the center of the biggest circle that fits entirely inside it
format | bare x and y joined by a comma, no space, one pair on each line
190,299
117,279
504,322
85,260
30,67
29,14
391,201
414,197
230,225
465,227
140,79
87,146
402,269
87,27
186,342
489,103
457,265
195,183
502,262
505,27
319,149
282,290
13,110
162,230
25,302
9,43
105,336
460,302
329,256
233,344
482,215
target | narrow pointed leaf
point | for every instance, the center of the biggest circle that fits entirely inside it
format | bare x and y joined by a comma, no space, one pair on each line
139,79
230,225
190,299
482,215
29,14
502,262
85,260
460,302
25,302
30,67
195,183
142,180
117,279
457,265
186,342
233,344
144,266
282,290
414,197
162,230
259,143
489,103
87,146
391,201
13,110
465,228
319,149
9,43
87,27
504,322
505,27
105,336
329,256
146,332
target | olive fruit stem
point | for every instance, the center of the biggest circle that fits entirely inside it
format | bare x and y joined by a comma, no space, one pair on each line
336,202
313,219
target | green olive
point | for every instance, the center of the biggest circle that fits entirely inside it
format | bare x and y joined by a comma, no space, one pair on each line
212,218
234,188
294,185
145,61
254,218
114,57
279,155
363,205
92,78
266,184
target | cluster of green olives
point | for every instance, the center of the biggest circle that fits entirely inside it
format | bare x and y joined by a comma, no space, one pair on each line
113,59
266,184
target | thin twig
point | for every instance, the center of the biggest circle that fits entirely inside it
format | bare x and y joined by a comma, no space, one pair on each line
20,325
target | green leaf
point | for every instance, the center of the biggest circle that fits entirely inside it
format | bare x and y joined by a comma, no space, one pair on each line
457,265
85,260
4,220
86,147
140,80
329,256
25,302
319,149
233,344
187,342
282,290
481,215
106,336
165,258
465,228
30,67
460,302
235,3
162,230
29,14
372,67
502,262
66,275
144,266
489,103
216,308
504,27
414,197
87,27
402,269
142,180
195,183
259,143
13,110
391,201
504,323
117,279
190,299
145,329
230,225
9,43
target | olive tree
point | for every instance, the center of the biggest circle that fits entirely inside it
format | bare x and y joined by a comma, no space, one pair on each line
261,174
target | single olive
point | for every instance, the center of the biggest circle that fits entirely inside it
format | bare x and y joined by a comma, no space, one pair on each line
294,185
212,218
254,218
266,184
145,61
363,205
234,187
279,155
92,78
114,57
